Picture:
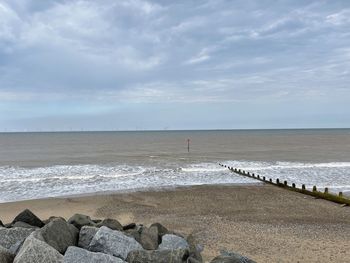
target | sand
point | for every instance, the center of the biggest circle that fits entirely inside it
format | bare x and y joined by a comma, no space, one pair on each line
265,223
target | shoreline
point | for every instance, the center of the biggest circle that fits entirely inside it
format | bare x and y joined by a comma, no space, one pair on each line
265,223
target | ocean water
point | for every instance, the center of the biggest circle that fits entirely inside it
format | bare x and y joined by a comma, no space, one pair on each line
38,165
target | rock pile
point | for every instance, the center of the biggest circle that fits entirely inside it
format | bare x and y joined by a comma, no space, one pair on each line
83,240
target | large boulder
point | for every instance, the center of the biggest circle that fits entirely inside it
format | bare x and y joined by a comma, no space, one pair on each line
35,250
60,235
28,217
113,242
149,238
79,255
111,223
12,236
158,256
231,257
85,236
5,255
170,241
79,220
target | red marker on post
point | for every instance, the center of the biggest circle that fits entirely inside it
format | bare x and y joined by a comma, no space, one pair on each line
188,145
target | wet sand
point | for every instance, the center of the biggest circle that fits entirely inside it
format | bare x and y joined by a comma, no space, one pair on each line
265,223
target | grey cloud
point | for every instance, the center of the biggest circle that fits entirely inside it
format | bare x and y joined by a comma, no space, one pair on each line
139,52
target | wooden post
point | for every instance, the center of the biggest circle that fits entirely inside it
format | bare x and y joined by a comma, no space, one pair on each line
303,187
264,178
340,194
314,188
293,185
326,190
277,181
188,145
285,183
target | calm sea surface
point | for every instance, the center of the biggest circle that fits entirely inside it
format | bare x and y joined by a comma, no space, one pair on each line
36,165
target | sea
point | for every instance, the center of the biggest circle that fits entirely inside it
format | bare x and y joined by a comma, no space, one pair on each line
55,164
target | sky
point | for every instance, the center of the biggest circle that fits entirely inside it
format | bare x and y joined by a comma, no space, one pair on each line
187,64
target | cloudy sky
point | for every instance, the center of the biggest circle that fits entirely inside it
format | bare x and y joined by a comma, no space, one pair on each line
137,64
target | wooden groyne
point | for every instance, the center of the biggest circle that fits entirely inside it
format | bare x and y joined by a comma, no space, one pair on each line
340,199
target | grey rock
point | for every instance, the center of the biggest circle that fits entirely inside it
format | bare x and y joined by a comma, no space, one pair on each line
5,255
15,247
113,242
28,217
231,257
79,255
85,236
158,256
79,220
22,224
52,218
60,235
135,232
149,238
162,230
11,236
129,226
111,223
194,248
170,241
193,260
34,250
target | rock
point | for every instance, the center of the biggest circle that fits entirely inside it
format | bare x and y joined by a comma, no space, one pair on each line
24,225
34,250
193,260
149,238
85,236
194,248
79,221
231,257
111,223
170,241
52,218
113,242
28,217
135,232
79,255
158,256
11,236
60,235
129,226
5,255
162,230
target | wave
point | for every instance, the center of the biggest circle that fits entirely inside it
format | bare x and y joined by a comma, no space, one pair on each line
20,183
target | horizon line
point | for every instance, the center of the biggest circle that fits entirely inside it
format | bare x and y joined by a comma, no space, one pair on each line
172,130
